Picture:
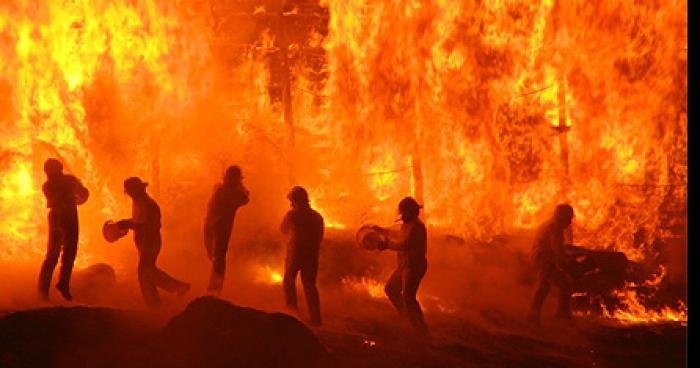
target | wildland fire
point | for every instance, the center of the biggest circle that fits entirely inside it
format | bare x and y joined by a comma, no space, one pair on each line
500,146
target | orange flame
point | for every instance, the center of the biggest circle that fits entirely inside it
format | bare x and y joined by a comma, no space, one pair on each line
268,275
634,311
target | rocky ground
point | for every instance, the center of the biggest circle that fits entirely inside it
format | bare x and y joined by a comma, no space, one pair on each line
475,298
214,333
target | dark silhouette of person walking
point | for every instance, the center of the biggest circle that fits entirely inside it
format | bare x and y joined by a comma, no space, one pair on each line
145,222
304,227
411,244
550,259
227,197
63,194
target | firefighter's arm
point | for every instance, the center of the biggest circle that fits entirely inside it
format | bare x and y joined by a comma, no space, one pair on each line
380,230
126,224
397,240
245,195
144,218
81,193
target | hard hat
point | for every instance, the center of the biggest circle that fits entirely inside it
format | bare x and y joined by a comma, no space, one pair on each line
134,185
408,205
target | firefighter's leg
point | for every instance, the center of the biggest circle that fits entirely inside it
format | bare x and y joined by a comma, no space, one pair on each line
53,250
158,277
289,283
70,249
411,280
146,271
393,290
564,283
218,271
541,293
308,279
167,282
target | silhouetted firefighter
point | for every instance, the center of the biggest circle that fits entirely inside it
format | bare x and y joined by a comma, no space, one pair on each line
145,222
411,245
304,226
228,196
550,259
63,194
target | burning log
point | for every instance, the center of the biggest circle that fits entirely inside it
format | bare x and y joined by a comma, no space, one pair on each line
601,276
598,272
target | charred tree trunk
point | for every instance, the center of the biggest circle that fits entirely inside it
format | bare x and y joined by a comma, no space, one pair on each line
155,165
417,175
283,30
416,164
289,122
563,138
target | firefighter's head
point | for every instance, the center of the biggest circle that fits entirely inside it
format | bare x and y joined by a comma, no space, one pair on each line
298,197
53,167
564,214
134,186
233,174
409,209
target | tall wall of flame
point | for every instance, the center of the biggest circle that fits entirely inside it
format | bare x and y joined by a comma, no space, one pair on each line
468,105
94,83
475,90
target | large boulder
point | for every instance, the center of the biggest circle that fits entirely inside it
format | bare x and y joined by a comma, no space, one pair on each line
214,333
74,337
209,333
94,284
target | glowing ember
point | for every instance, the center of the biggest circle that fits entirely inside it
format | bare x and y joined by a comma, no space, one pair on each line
268,275
369,343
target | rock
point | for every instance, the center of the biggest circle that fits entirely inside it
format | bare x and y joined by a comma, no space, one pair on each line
94,284
209,333
74,337
214,333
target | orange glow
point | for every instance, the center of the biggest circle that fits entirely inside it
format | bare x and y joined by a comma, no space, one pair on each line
489,112
268,275
366,285
634,311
